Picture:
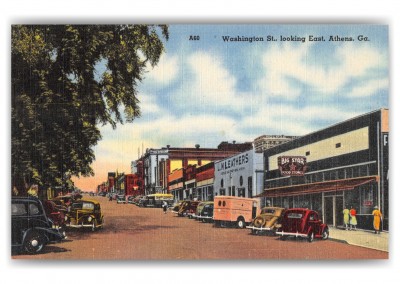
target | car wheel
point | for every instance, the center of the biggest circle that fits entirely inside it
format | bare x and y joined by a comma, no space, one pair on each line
217,223
325,234
33,243
311,237
240,223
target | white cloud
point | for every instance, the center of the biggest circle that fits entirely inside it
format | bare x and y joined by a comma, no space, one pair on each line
290,120
368,89
165,71
288,63
209,85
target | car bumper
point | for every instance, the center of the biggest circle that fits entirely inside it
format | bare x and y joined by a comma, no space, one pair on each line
259,229
297,234
83,225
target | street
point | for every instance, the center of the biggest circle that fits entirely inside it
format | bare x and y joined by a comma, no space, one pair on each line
132,232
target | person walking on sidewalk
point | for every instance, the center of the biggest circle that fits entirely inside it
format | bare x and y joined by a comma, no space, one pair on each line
353,219
377,219
346,218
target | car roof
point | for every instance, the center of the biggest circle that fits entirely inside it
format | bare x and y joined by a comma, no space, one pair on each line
30,198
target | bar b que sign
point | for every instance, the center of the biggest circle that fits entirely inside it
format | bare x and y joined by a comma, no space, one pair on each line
292,165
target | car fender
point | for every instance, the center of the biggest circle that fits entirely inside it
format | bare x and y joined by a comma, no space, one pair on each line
323,227
43,232
310,230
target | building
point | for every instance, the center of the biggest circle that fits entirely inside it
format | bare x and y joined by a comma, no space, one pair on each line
265,142
111,182
239,175
205,182
131,185
178,171
340,166
151,170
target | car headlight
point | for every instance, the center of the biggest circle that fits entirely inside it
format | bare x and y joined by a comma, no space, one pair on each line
89,219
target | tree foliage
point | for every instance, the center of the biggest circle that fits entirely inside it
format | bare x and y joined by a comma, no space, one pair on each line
60,95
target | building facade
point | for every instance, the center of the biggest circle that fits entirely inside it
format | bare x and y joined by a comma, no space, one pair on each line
265,142
346,165
239,175
205,182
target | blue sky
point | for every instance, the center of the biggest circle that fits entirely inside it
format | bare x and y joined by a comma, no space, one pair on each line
207,91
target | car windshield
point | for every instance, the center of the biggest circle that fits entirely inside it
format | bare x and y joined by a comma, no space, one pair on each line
268,211
84,205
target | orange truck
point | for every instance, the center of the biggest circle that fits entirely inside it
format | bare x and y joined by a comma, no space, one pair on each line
232,210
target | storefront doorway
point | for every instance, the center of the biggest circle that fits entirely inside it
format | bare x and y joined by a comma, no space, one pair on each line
333,208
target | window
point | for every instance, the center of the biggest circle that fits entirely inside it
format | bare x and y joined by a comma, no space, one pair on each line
308,153
18,209
338,145
222,182
33,209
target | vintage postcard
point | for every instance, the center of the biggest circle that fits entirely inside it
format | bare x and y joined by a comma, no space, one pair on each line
200,142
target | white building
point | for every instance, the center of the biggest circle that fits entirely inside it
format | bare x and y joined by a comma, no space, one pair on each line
239,175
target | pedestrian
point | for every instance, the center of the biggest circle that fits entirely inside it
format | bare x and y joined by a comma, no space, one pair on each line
165,206
353,219
377,220
346,218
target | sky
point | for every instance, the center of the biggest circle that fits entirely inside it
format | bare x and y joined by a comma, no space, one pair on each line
208,88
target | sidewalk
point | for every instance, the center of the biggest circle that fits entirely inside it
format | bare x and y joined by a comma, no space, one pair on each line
361,238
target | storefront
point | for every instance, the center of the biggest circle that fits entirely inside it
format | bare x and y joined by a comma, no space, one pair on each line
205,182
240,175
345,165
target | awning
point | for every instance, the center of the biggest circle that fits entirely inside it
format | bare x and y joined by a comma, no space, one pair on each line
343,184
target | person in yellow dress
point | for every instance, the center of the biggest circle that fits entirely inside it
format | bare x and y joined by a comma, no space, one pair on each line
346,218
377,219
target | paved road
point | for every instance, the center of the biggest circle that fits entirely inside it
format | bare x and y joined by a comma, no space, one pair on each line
131,232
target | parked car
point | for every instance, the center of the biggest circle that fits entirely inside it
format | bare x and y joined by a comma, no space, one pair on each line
305,223
55,214
156,200
269,220
175,206
188,208
205,211
85,213
121,199
31,228
136,199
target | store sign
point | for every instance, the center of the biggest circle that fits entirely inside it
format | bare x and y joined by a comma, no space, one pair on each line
292,165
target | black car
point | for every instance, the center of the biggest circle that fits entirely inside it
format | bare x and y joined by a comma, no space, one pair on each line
31,228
